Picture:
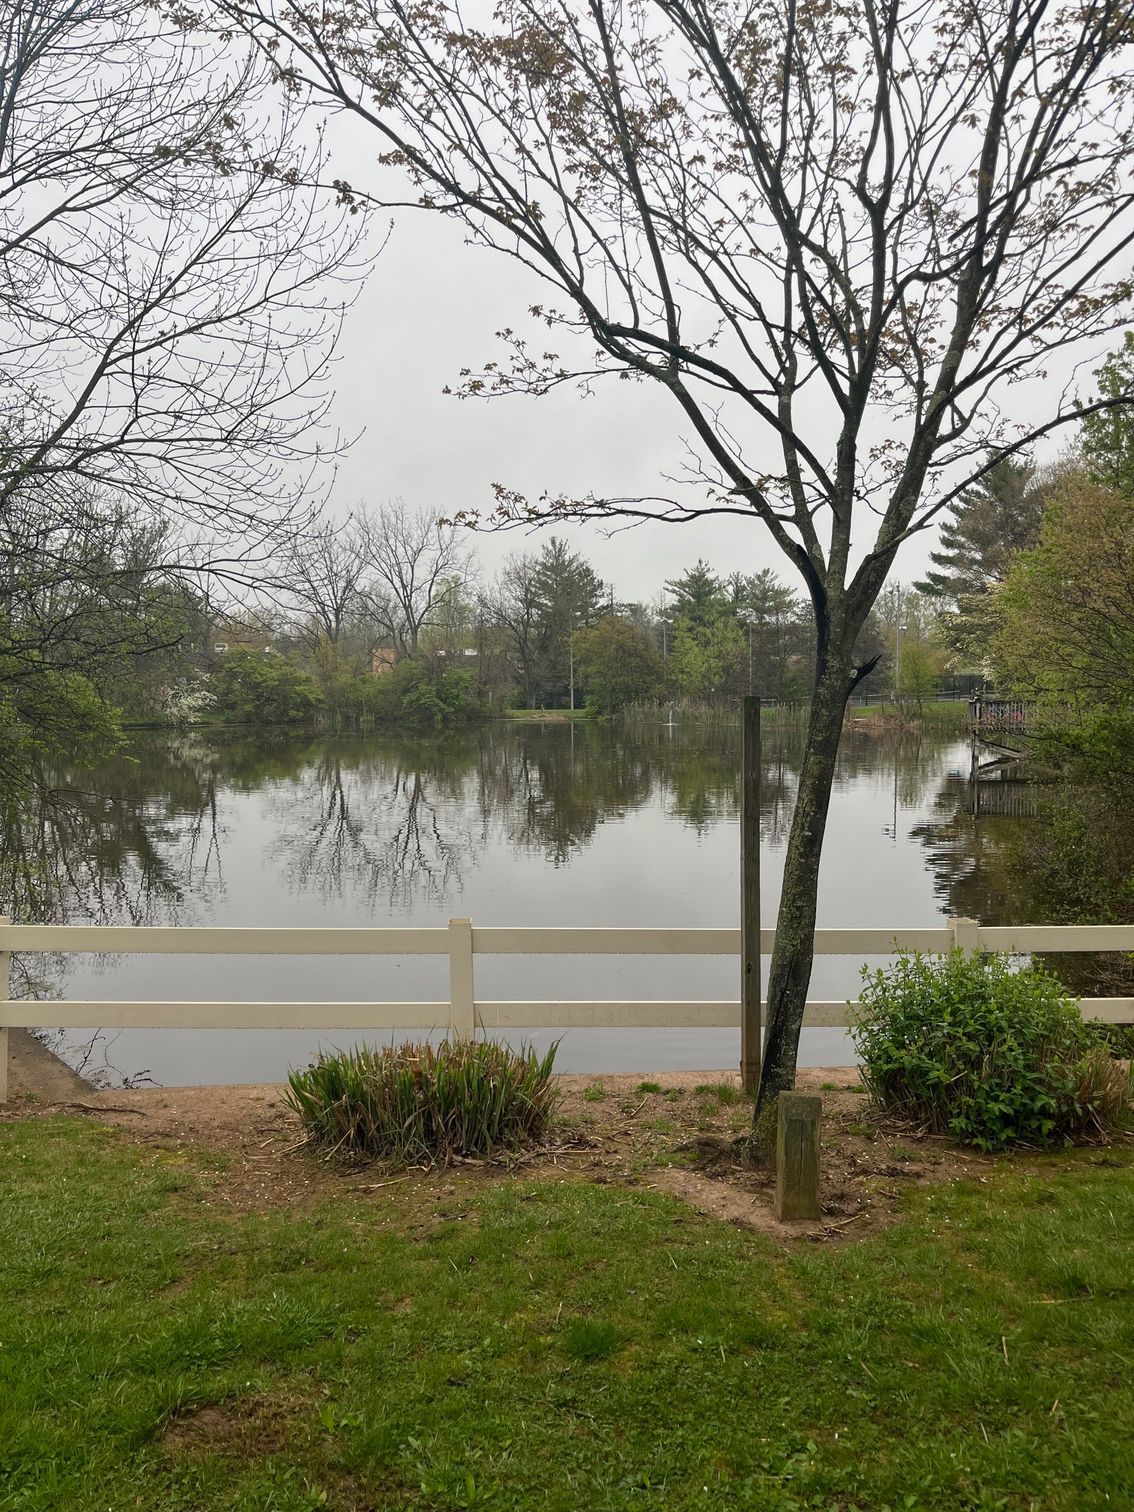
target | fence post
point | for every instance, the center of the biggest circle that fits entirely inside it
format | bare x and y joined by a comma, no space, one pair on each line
751,1048
462,1004
797,1156
5,994
966,935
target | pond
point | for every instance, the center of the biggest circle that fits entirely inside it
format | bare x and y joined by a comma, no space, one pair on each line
512,824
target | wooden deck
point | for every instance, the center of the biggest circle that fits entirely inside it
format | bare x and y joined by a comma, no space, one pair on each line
999,720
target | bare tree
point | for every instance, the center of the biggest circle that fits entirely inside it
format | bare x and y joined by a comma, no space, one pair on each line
166,319
514,605
322,575
168,292
415,563
835,234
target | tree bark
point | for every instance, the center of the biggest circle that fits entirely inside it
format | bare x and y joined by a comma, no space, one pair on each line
790,972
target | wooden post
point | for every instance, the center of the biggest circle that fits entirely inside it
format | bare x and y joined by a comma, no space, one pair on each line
751,1048
797,1156
5,993
462,1005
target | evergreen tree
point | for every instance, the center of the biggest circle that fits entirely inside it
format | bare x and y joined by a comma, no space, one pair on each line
990,522
1108,435
698,596
569,596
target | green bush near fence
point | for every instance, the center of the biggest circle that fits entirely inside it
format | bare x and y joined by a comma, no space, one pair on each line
422,1104
970,1046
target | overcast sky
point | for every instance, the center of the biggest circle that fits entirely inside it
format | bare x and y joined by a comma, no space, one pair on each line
432,305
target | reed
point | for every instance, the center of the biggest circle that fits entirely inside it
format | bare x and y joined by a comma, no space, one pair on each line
691,713
419,1104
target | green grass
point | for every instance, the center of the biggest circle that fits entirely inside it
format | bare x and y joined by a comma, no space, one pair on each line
547,713
944,715
727,1093
554,1344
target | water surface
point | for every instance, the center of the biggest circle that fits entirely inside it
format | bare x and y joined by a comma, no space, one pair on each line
510,825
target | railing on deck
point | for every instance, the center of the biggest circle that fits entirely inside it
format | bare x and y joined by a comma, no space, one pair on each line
1000,715
463,1013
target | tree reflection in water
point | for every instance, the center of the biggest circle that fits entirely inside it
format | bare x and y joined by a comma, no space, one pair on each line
404,821
116,844
195,828
1067,862
143,839
382,821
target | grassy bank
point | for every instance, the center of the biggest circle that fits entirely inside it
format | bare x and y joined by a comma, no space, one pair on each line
943,718
552,1344
545,714
947,717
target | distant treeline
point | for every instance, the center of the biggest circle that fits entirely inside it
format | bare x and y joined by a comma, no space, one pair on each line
386,619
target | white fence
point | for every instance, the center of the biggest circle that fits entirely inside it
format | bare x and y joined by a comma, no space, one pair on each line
463,1013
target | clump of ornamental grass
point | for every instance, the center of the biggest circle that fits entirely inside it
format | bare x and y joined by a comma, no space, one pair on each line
422,1104
971,1046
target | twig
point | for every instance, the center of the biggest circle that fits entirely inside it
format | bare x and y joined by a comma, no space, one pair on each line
97,1108
1004,1348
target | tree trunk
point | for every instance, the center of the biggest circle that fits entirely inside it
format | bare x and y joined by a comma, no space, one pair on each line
790,973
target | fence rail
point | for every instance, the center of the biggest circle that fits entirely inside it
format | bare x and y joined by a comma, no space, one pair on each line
1000,714
463,1013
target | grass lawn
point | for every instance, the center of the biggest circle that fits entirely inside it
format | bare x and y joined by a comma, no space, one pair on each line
559,1344
544,714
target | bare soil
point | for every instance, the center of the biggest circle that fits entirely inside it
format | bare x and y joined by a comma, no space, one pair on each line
671,1132
34,1074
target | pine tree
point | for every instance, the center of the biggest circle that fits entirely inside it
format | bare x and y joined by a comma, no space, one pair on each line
1108,435
698,595
990,522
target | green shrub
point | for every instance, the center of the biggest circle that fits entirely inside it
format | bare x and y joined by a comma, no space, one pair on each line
968,1046
725,1092
416,1104
254,688
419,694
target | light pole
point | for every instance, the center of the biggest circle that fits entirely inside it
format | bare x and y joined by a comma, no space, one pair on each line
899,631
750,621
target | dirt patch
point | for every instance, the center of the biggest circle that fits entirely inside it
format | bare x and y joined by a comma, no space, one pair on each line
671,1132
682,1139
244,1426
36,1075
